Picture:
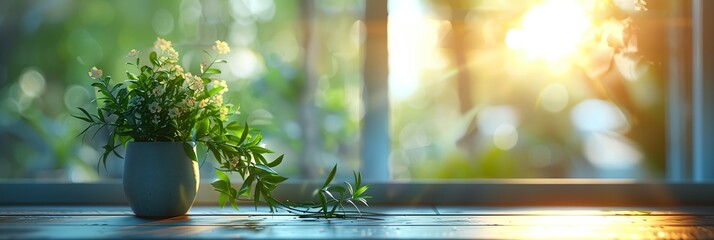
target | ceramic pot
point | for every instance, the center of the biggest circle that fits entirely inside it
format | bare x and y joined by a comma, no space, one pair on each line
160,178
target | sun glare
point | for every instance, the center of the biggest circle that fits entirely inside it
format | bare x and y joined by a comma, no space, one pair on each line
551,31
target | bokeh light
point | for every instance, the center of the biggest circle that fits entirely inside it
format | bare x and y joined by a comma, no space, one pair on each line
550,31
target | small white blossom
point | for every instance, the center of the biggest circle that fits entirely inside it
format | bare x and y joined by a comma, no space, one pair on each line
203,103
162,44
95,73
198,83
155,120
178,71
133,53
154,107
219,83
159,90
188,102
221,47
217,100
172,55
223,113
136,100
174,113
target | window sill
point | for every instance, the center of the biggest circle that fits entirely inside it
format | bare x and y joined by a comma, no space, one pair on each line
510,192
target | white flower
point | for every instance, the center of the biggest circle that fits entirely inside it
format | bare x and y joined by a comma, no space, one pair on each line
136,100
217,100
159,90
203,103
174,113
154,107
188,102
223,113
221,47
172,54
155,120
133,53
178,71
194,82
162,44
95,73
219,83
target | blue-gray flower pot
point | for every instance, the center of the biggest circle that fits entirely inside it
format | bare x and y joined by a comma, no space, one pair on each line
160,178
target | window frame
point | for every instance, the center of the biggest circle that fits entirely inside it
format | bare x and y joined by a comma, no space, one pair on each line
690,174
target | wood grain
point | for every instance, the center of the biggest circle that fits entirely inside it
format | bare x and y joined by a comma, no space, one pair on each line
207,222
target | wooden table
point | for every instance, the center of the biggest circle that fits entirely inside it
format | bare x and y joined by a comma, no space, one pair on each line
435,222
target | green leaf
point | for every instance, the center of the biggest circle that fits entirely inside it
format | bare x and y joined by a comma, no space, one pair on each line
228,149
361,190
265,168
260,159
233,126
330,177
323,202
354,205
222,176
233,202
131,76
212,71
245,188
222,198
245,134
202,128
274,179
87,114
363,200
260,150
216,153
256,139
276,162
256,194
188,149
219,184
330,195
267,187
349,188
339,189
83,119
358,178
152,58
214,90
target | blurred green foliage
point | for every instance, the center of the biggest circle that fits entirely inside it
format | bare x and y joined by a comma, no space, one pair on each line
48,47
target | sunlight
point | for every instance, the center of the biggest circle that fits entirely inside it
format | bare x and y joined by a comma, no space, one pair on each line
551,31
413,39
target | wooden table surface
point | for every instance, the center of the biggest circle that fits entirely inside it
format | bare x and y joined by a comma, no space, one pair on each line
117,222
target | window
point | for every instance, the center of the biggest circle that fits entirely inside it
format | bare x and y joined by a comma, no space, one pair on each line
514,89
474,90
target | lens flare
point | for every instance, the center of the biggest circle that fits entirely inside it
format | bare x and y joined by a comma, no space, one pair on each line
551,31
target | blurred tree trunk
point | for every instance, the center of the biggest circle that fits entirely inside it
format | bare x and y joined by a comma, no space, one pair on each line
458,47
463,78
307,111
375,145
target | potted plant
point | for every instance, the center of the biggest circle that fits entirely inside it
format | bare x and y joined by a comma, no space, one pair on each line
161,112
